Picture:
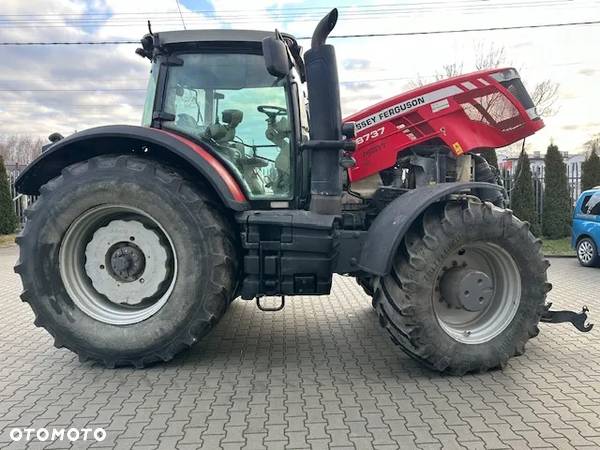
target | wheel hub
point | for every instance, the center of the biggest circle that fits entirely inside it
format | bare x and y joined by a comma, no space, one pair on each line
123,271
462,287
118,264
127,262
478,292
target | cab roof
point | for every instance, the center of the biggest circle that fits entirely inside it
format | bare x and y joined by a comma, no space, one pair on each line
188,36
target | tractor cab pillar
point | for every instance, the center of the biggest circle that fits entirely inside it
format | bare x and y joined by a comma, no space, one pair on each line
326,145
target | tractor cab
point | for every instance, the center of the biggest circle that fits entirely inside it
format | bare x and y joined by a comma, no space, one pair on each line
212,86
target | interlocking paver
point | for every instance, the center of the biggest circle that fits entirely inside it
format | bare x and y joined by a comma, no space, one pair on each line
320,374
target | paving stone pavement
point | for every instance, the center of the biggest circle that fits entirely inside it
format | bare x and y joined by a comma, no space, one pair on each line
319,374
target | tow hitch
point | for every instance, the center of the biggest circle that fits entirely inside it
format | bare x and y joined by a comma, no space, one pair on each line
577,319
269,309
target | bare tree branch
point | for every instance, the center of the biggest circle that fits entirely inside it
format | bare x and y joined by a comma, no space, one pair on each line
544,96
449,70
593,143
21,149
489,58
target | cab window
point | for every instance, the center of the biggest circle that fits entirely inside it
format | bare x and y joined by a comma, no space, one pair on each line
231,101
150,93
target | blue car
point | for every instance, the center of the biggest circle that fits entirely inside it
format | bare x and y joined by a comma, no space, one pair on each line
586,227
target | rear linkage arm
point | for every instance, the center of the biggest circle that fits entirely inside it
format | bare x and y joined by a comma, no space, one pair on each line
577,319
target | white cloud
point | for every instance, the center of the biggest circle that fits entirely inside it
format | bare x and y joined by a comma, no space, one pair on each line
379,67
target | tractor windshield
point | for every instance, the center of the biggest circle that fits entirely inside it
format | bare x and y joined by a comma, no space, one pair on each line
231,101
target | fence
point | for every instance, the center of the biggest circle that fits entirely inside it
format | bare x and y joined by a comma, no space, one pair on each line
573,182
21,202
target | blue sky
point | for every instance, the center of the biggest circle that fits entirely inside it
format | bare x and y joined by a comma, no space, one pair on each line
111,79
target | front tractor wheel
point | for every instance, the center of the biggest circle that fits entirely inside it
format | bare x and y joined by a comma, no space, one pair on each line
467,288
124,262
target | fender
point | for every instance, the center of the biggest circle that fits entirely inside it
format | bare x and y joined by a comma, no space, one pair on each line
160,145
396,218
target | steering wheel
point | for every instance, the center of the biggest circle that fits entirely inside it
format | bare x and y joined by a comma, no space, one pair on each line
272,111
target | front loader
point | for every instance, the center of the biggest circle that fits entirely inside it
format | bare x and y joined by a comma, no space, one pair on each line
143,235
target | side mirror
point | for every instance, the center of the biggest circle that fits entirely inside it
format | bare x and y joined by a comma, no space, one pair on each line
276,57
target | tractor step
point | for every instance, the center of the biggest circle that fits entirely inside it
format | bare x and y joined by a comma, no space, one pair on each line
267,309
577,319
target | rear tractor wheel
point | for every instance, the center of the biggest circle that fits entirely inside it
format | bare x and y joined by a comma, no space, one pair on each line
124,262
467,288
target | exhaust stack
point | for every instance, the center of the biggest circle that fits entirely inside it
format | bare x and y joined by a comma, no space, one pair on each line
325,120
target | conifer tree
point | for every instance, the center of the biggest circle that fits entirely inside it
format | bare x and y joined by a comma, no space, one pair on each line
590,171
556,216
522,199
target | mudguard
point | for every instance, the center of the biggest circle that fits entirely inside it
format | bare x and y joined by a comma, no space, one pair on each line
162,145
390,226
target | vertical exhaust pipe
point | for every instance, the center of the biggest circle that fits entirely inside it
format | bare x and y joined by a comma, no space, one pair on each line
325,119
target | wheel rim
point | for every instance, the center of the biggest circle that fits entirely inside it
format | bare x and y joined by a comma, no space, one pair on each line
478,292
585,251
118,264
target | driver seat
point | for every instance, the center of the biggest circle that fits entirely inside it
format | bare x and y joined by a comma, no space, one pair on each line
225,132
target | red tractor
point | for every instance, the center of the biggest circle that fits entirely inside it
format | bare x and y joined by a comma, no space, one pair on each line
143,235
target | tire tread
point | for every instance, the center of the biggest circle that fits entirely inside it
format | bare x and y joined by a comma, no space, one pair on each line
394,297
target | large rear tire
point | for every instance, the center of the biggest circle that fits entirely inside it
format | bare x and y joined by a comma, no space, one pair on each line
124,262
467,288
